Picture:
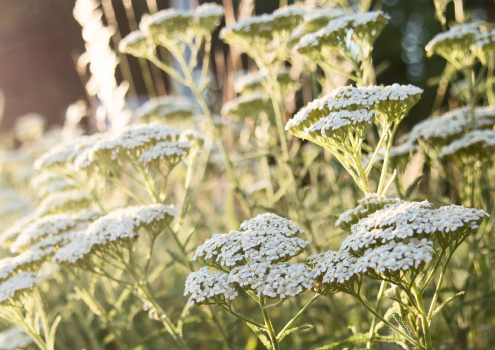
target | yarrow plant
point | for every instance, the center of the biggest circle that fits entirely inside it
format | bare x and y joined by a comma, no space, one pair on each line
363,235
253,259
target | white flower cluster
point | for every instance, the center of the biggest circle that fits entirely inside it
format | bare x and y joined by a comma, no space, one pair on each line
366,206
17,283
361,28
26,260
63,201
395,256
256,257
484,46
172,25
168,109
337,124
404,220
252,34
254,82
458,38
64,154
13,338
137,44
168,151
10,234
50,225
332,268
266,238
250,104
102,61
47,183
319,17
335,270
280,280
450,126
204,285
116,226
480,143
393,102
125,145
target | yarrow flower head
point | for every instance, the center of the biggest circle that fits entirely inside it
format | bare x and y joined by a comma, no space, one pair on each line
366,206
279,280
352,109
255,82
484,46
137,44
479,143
266,238
51,225
205,286
63,202
405,220
257,258
47,183
125,146
440,131
248,105
15,285
169,26
171,110
254,34
64,154
332,271
117,226
454,45
395,256
319,17
361,28
28,260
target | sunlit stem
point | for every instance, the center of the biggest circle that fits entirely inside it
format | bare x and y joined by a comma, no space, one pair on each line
291,322
269,325
242,317
381,185
189,82
379,297
381,318
425,323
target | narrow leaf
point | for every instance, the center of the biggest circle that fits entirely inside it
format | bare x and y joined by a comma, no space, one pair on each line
261,336
446,302
403,324
412,187
406,306
359,338
295,329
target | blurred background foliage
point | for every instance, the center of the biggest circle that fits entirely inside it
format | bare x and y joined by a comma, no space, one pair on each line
40,39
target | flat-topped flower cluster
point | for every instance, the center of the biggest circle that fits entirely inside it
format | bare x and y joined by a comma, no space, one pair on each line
453,134
253,258
170,27
110,230
336,36
351,108
398,238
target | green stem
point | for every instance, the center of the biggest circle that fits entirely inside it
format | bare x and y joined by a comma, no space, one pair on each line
425,323
269,325
387,158
439,285
242,317
373,321
287,326
381,318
